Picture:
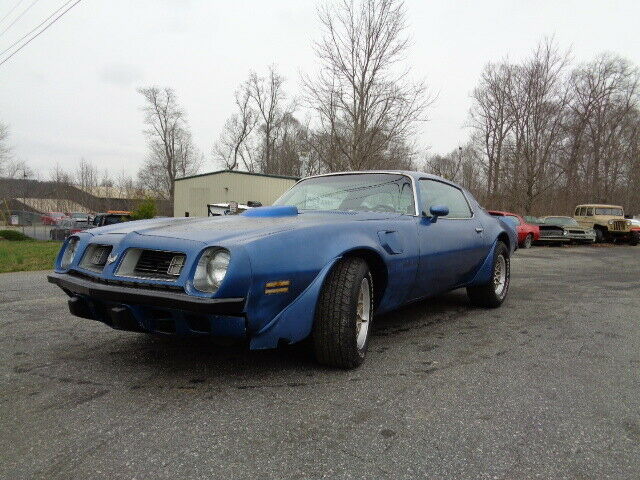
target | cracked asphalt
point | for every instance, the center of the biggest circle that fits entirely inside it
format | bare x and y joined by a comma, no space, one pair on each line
548,386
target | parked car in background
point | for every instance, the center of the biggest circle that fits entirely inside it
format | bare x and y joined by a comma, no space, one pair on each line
575,232
609,223
82,216
527,233
66,227
317,264
110,218
52,218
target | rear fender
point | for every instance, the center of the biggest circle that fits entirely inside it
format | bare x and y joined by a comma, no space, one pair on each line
483,276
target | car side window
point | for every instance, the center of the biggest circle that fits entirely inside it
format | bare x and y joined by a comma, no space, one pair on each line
577,212
434,193
590,212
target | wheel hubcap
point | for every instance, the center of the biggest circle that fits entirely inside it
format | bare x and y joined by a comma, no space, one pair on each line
500,276
363,313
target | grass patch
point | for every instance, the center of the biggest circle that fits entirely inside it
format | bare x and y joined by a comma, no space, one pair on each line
27,255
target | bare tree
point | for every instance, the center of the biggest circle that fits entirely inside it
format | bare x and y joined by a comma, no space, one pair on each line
5,149
233,149
87,176
604,112
491,119
172,153
363,100
538,102
270,102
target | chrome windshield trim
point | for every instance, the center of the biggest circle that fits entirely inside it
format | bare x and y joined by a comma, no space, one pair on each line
370,172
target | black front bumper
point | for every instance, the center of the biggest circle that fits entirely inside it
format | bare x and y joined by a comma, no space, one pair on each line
140,296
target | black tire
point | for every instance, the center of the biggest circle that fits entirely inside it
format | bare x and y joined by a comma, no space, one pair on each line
488,295
634,238
528,241
335,329
599,235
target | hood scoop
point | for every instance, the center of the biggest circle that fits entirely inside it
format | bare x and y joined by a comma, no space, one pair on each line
274,211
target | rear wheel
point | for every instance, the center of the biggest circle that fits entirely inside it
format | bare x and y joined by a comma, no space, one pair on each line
343,315
493,293
528,241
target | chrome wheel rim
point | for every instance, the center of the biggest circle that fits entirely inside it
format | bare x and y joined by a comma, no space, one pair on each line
363,313
500,276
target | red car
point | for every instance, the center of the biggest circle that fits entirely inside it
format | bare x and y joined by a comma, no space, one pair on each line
527,233
52,218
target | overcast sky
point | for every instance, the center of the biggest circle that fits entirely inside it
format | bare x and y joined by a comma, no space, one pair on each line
71,93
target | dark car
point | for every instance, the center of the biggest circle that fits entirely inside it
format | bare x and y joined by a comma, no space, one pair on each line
110,218
67,227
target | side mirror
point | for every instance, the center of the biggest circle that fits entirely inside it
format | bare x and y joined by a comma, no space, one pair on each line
438,211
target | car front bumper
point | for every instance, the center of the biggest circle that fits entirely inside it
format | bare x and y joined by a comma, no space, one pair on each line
151,310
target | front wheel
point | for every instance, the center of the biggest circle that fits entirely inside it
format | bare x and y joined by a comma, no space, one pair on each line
634,239
493,293
343,315
599,235
528,241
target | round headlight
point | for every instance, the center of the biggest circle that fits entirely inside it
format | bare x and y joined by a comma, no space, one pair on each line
610,222
211,270
69,253
628,222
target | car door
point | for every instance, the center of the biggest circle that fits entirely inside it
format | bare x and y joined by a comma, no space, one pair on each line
452,247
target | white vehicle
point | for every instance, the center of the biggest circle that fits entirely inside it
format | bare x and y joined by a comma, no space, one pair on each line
218,209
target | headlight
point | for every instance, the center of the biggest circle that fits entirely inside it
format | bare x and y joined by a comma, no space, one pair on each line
69,253
211,270
610,222
628,222
564,232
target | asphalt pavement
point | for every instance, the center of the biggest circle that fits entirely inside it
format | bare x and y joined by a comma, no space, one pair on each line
548,386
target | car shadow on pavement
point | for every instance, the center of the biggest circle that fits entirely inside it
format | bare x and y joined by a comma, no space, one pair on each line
138,361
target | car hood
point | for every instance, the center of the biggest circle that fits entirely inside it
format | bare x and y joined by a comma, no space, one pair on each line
216,229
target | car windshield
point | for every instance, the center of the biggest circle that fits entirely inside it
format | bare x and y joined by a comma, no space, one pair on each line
367,192
617,212
561,221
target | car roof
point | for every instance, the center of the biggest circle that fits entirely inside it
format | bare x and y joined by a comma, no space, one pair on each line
598,205
556,216
500,212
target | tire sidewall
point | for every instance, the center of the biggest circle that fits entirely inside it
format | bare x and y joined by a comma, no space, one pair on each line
528,241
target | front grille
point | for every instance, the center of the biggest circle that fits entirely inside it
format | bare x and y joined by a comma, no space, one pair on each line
95,257
159,264
576,232
550,233
619,225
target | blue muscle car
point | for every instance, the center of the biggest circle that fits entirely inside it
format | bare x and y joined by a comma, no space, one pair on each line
318,263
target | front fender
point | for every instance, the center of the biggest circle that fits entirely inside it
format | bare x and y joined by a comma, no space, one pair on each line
295,321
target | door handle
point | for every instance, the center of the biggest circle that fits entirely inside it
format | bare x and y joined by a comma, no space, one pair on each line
479,229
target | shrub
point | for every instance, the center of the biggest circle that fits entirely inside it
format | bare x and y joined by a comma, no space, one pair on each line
146,209
13,235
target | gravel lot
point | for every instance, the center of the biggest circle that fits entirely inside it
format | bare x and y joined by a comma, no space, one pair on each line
548,386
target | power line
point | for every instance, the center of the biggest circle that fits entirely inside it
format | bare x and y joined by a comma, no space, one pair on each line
34,29
19,17
40,32
11,11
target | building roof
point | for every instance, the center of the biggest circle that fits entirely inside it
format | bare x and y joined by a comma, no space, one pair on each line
240,172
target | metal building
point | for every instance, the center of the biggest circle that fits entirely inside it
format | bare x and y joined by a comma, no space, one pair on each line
192,194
